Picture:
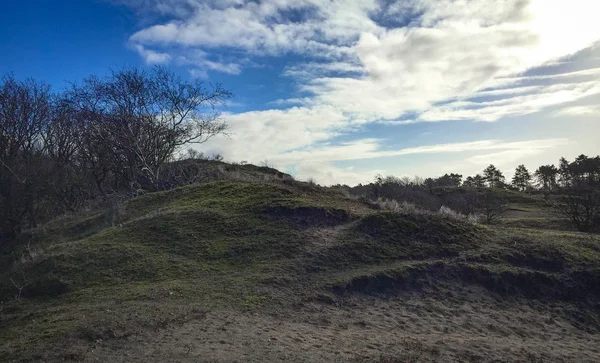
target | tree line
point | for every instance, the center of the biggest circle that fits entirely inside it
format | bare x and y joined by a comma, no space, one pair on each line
572,189
120,135
99,137
582,171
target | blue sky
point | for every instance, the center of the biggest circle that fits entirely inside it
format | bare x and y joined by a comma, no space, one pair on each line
342,90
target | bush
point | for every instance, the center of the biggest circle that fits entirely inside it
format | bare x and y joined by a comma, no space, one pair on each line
393,206
410,208
447,212
582,207
493,206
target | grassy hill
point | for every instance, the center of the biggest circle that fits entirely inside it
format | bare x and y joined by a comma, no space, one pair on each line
295,257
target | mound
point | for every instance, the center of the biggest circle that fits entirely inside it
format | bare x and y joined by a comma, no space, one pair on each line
254,246
310,216
441,277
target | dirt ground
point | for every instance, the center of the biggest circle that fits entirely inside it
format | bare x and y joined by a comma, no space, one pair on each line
478,328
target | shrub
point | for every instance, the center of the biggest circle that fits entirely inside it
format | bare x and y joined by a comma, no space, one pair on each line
392,205
493,206
388,204
449,213
581,206
473,218
411,208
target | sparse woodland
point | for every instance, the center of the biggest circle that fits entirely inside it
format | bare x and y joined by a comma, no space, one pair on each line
109,139
116,236
572,191
102,138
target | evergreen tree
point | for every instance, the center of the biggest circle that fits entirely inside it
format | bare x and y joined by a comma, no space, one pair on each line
545,176
579,198
429,183
469,182
449,180
585,171
479,181
494,177
564,173
522,178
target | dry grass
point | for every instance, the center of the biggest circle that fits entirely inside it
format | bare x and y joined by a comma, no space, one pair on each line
447,212
410,208
284,262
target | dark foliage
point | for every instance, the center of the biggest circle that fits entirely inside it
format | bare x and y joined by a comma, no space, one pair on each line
578,196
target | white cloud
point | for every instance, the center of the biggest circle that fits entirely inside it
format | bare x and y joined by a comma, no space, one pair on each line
503,158
452,49
290,101
201,63
566,77
327,174
260,135
412,69
312,156
373,148
152,57
230,68
310,70
579,111
517,105
368,61
262,28
506,156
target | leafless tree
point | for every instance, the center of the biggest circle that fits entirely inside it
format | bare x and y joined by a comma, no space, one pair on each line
24,112
145,117
582,207
492,206
103,136
62,141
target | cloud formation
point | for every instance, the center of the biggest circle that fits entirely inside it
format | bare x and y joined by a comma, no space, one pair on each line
152,57
360,62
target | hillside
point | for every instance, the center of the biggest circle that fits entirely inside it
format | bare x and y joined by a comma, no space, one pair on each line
263,270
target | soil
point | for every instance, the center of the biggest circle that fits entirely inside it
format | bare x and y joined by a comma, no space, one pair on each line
410,328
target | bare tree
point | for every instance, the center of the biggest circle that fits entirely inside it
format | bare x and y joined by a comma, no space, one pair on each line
582,207
24,112
62,141
493,206
145,117
103,136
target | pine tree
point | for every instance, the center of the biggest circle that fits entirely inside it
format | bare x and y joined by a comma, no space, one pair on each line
494,177
449,180
545,176
429,183
564,172
478,181
522,178
469,182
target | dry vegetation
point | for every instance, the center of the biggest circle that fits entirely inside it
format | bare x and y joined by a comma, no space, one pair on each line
258,267
113,248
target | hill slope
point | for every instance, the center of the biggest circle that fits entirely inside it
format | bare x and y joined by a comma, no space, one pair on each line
259,271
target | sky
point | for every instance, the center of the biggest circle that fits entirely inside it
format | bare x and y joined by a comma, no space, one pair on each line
340,91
